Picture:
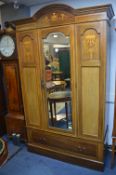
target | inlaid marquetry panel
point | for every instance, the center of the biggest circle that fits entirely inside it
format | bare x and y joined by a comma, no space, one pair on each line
28,46
31,98
90,101
90,45
89,35
55,18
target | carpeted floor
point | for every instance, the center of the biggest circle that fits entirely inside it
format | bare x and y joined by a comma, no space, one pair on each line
13,150
27,163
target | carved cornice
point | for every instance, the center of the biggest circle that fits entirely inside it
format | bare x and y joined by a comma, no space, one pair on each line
96,9
63,14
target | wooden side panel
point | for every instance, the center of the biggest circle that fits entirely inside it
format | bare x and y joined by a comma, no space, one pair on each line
30,76
31,97
90,101
2,104
12,85
2,93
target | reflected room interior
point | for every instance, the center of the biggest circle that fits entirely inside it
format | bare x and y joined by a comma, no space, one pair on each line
56,48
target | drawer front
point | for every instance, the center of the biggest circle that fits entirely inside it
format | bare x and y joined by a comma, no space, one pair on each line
63,143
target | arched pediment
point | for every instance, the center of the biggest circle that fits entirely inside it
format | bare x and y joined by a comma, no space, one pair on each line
54,14
53,8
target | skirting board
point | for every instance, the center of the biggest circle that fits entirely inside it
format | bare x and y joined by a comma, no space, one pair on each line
66,158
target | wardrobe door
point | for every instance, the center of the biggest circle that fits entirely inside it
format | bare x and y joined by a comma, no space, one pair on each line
91,58
30,77
58,57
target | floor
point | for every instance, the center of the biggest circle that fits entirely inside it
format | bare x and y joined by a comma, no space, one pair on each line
23,162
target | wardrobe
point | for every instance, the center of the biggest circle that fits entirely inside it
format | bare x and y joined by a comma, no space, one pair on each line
78,137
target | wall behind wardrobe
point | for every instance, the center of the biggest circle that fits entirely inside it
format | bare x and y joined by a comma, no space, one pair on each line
111,63
9,13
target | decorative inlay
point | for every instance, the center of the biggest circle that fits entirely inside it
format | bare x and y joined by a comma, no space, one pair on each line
90,45
28,49
62,16
55,18
90,42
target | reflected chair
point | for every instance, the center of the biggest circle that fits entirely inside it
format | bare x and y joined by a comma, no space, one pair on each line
57,75
59,97
60,85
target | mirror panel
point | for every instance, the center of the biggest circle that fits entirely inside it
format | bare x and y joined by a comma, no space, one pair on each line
56,48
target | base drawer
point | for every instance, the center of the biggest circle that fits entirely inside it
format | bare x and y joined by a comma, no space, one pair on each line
63,143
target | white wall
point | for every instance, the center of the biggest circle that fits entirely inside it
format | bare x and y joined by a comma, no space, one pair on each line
111,63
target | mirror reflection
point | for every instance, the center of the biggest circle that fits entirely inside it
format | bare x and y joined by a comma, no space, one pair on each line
56,48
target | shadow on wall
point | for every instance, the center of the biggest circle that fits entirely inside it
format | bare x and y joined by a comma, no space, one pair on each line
15,13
